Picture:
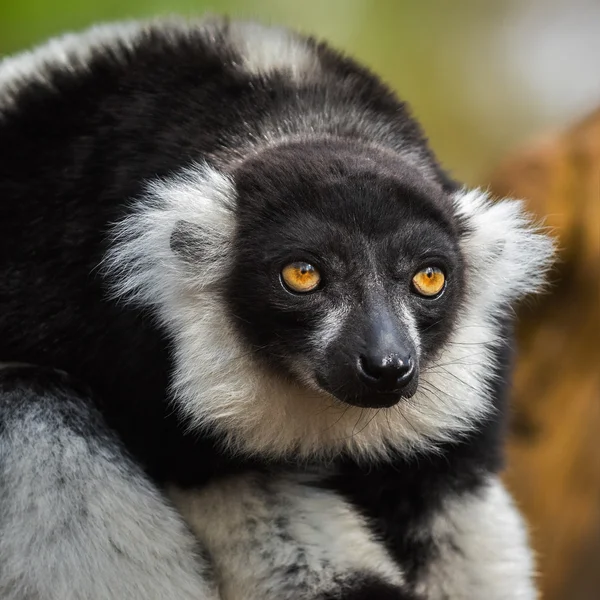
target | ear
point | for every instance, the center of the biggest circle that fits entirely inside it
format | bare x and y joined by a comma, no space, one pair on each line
507,255
176,238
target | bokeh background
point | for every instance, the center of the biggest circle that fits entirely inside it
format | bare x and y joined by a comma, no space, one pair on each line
503,89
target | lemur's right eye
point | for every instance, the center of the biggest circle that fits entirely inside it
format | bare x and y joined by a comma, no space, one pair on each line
300,277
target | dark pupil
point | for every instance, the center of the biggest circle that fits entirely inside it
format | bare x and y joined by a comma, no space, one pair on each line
429,273
304,269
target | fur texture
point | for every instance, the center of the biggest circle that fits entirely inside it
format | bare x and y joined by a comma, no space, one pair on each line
482,528
78,518
312,542
159,177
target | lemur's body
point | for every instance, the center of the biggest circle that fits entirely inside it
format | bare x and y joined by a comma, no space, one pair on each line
127,260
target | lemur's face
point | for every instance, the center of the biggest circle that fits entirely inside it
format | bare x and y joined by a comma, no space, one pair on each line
346,272
326,297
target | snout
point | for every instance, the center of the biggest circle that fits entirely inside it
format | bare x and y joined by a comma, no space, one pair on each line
375,365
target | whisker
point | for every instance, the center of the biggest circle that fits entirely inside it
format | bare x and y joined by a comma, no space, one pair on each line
432,325
368,422
431,385
362,410
461,381
458,361
399,411
426,393
339,419
482,343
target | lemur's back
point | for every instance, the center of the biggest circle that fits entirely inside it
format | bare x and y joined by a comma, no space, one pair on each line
77,145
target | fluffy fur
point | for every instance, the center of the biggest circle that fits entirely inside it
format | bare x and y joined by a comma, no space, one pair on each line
70,52
482,527
158,177
78,518
312,542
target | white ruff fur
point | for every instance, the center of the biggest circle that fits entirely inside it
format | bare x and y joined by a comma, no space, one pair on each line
218,384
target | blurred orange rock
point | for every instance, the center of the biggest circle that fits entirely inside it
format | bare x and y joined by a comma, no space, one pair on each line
554,449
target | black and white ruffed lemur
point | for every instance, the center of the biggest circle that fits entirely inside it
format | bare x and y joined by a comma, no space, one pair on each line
240,298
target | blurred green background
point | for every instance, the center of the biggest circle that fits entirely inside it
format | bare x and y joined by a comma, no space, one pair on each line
481,75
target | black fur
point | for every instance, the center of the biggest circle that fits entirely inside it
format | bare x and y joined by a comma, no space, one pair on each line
368,588
359,215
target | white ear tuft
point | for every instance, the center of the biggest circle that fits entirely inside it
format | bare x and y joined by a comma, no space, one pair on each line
175,239
507,254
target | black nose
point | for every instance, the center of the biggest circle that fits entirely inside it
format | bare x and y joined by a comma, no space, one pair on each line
386,373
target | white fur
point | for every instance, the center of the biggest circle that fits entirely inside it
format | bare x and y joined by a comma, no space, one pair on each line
281,539
266,49
410,323
219,385
508,256
482,550
149,271
79,521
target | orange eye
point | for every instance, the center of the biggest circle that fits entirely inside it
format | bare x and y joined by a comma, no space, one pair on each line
300,277
429,281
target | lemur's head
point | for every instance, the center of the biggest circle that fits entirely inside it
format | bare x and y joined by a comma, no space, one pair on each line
347,272
328,295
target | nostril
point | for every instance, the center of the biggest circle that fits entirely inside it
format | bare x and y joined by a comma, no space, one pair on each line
368,368
405,368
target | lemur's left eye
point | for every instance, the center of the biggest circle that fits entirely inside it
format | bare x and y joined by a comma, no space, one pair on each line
301,277
429,281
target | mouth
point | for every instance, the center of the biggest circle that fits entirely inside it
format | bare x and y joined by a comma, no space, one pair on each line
364,398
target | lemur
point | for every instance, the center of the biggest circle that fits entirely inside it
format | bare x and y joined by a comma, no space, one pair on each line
255,341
